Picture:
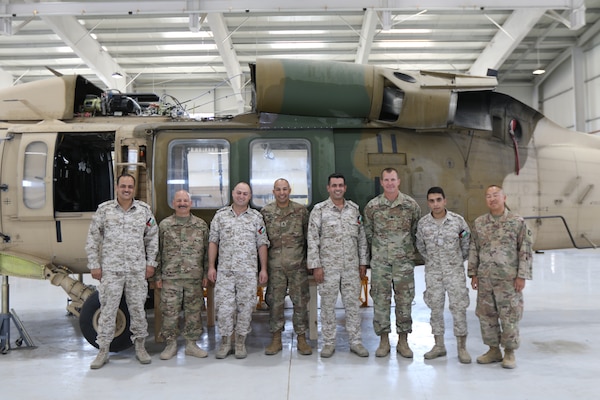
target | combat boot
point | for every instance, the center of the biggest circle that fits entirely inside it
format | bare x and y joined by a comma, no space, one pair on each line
359,350
463,355
493,355
192,349
140,351
101,358
240,346
402,347
438,349
225,348
509,360
275,346
327,350
303,346
170,350
384,345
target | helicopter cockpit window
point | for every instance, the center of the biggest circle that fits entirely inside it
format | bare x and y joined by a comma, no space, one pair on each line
271,159
34,175
200,166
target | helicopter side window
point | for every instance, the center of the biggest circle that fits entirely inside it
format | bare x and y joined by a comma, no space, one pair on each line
201,167
34,175
271,159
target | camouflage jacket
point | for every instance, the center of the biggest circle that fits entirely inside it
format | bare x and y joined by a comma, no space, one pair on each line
122,240
336,237
444,245
183,248
238,238
501,248
286,229
391,227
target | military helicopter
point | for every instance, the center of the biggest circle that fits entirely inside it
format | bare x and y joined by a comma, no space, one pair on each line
63,141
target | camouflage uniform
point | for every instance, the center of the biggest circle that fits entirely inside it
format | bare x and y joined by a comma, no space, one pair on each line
444,246
122,243
238,238
337,243
286,228
391,228
183,244
500,252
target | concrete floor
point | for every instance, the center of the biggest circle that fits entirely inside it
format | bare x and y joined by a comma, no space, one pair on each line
559,357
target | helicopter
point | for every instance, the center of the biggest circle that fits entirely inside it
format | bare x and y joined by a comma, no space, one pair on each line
63,142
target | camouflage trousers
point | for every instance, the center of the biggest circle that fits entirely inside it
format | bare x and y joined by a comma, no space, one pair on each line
400,278
436,286
346,281
499,308
284,279
178,295
111,288
235,299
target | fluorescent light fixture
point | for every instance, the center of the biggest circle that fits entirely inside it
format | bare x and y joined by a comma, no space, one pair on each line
539,71
117,75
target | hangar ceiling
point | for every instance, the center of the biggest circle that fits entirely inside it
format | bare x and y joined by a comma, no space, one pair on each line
165,45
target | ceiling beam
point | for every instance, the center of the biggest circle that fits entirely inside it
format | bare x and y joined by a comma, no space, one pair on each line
367,33
222,37
506,40
225,6
88,49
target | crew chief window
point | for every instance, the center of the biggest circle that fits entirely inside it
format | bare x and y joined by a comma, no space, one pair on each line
34,175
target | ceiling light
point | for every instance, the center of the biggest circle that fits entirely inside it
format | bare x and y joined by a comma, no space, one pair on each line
539,71
117,75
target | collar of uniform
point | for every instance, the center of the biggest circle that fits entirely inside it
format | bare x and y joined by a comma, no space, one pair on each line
331,204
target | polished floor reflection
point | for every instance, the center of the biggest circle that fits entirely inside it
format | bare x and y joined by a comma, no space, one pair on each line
559,357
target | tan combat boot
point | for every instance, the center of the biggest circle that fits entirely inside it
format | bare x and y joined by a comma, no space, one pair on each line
140,351
509,360
170,350
402,346
240,346
438,349
275,346
101,358
192,349
225,348
384,345
303,346
463,355
493,355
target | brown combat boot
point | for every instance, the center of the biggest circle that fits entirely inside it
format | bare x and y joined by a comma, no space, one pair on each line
275,346
303,346
438,349
493,355
170,350
225,348
402,347
463,355
240,346
192,349
140,351
384,345
101,358
509,360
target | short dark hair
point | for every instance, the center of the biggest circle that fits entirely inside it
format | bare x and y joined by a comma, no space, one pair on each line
436,189
389,170
334,176
125,175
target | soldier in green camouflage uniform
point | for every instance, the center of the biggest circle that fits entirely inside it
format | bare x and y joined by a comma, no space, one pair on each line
286,223
338,255
391,225
500,260
237,234
122,245
183,245
443,241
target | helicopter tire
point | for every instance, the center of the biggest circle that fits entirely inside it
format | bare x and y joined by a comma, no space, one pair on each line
88,323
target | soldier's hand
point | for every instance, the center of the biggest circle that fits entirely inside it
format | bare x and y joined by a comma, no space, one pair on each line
158,284
212,275
262,276
149,271
362,271
318,275
474,282
96,273
519,284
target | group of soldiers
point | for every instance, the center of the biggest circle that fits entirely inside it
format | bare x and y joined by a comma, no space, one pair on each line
334,243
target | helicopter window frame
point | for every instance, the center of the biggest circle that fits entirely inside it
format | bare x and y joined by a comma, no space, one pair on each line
35,174
291,159
200,167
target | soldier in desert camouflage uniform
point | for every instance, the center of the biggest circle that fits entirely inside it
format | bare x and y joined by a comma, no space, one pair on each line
121,246
286,223
500,260
237,234
443,241
390,225
183,245
338,255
